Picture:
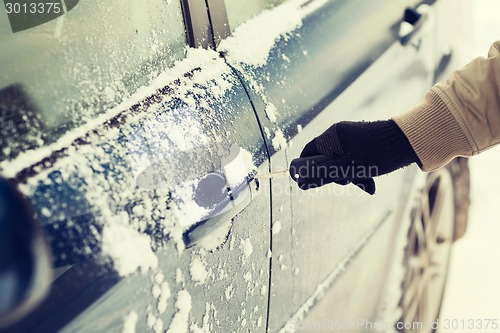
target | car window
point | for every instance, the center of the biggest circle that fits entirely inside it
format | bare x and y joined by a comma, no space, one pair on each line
239,11
297,76
58,75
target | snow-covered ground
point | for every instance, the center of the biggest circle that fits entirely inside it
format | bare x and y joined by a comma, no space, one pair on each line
473,290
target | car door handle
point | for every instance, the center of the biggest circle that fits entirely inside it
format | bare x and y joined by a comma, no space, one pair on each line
413,20
237,199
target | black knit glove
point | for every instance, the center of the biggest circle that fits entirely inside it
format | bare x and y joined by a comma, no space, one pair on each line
353,152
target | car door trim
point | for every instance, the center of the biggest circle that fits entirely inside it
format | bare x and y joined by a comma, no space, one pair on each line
219,21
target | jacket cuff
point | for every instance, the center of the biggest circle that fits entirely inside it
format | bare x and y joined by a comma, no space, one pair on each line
434,133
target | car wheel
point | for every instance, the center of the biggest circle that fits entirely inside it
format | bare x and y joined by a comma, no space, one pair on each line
459,169
430,237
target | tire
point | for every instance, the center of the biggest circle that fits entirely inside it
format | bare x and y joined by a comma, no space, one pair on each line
437,220
459,169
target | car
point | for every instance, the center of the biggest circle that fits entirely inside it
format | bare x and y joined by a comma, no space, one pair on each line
150,140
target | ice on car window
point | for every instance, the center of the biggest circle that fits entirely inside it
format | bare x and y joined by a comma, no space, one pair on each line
87,61
239,11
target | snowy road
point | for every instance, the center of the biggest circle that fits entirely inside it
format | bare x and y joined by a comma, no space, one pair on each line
473,290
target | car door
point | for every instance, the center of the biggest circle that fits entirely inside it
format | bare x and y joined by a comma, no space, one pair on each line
138,154
308,65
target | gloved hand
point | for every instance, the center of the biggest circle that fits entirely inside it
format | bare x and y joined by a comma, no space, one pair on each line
353,152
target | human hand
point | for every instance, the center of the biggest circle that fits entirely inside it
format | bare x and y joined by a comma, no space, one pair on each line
352,152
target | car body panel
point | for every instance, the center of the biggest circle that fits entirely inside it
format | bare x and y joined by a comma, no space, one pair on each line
305,80
116,195
182,132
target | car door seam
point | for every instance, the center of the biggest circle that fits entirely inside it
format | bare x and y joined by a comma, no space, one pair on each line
270,190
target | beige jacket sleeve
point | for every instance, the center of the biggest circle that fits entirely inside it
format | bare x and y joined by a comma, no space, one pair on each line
460,117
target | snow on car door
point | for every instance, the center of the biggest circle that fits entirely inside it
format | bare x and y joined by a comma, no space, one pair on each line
307,65
150,207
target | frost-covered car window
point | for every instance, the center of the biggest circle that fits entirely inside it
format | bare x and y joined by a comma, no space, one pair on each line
59,75
239,11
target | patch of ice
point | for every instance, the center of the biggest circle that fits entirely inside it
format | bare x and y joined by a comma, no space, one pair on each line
247,277
129,249
176,236
279,141
138,210
159,277
163,297
271,112
276,227
404,29
252,40
222,274
229,292
263,290
129,322
198,271
231,243
154,323
237,165
156,291
216,238
183,304
158,326
46,212
299,128
189,212
267,132
186,134
150,320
